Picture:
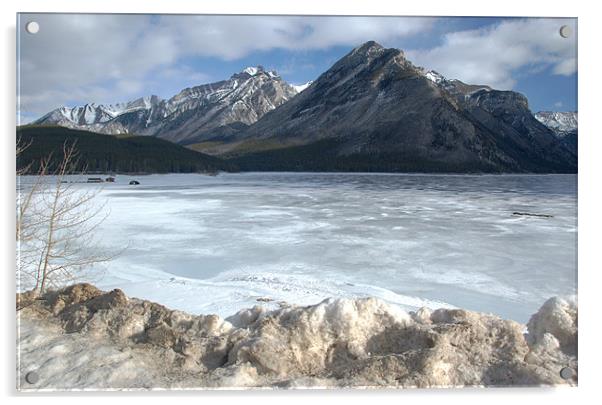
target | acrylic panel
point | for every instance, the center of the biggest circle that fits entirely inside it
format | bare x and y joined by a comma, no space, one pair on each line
210,201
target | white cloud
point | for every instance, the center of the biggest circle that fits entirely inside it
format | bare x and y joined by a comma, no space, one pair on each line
233,37
110,58
492,55
566,67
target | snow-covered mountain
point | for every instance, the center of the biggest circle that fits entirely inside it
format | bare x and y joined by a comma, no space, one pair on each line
562,123
97,117
198,113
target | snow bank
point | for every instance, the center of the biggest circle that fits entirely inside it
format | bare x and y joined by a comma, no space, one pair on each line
81,337
558,318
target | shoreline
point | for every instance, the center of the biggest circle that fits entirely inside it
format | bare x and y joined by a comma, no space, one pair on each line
232,292
221,172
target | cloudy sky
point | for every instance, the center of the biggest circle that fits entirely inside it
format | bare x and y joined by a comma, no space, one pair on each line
76,58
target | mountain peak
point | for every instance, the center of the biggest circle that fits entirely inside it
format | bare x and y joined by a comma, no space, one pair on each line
370,45
253,70
372,50
368,48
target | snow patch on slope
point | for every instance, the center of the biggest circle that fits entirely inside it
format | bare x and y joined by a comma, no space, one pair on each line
251,70
434,76
301,87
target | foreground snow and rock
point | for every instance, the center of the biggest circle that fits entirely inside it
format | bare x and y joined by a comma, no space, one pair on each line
80,337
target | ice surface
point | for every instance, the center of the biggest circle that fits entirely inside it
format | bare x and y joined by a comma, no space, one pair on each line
207,244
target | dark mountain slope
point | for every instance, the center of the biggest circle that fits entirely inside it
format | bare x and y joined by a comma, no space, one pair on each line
379,110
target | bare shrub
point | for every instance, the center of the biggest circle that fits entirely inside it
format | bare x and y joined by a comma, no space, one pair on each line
56,224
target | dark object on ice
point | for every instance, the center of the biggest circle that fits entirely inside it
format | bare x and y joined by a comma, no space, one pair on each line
32,377
110,179
134,183
528,214
94,180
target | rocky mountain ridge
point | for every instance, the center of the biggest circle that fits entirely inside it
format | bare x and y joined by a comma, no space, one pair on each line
375,110
561,122
194,112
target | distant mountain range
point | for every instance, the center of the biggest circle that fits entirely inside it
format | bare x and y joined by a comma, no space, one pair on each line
373,110
564,125
196,113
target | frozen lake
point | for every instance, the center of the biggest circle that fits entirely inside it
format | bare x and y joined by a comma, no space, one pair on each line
216,244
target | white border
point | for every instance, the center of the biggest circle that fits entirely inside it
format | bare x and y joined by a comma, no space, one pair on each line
590,155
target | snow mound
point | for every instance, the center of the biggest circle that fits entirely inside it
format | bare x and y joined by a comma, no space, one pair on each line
80,337
557,318
309,339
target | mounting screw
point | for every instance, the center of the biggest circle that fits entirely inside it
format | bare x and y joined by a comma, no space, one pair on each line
32,377
566,373
32,27
565,31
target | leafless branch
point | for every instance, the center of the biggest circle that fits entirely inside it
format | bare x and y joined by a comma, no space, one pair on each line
57,223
